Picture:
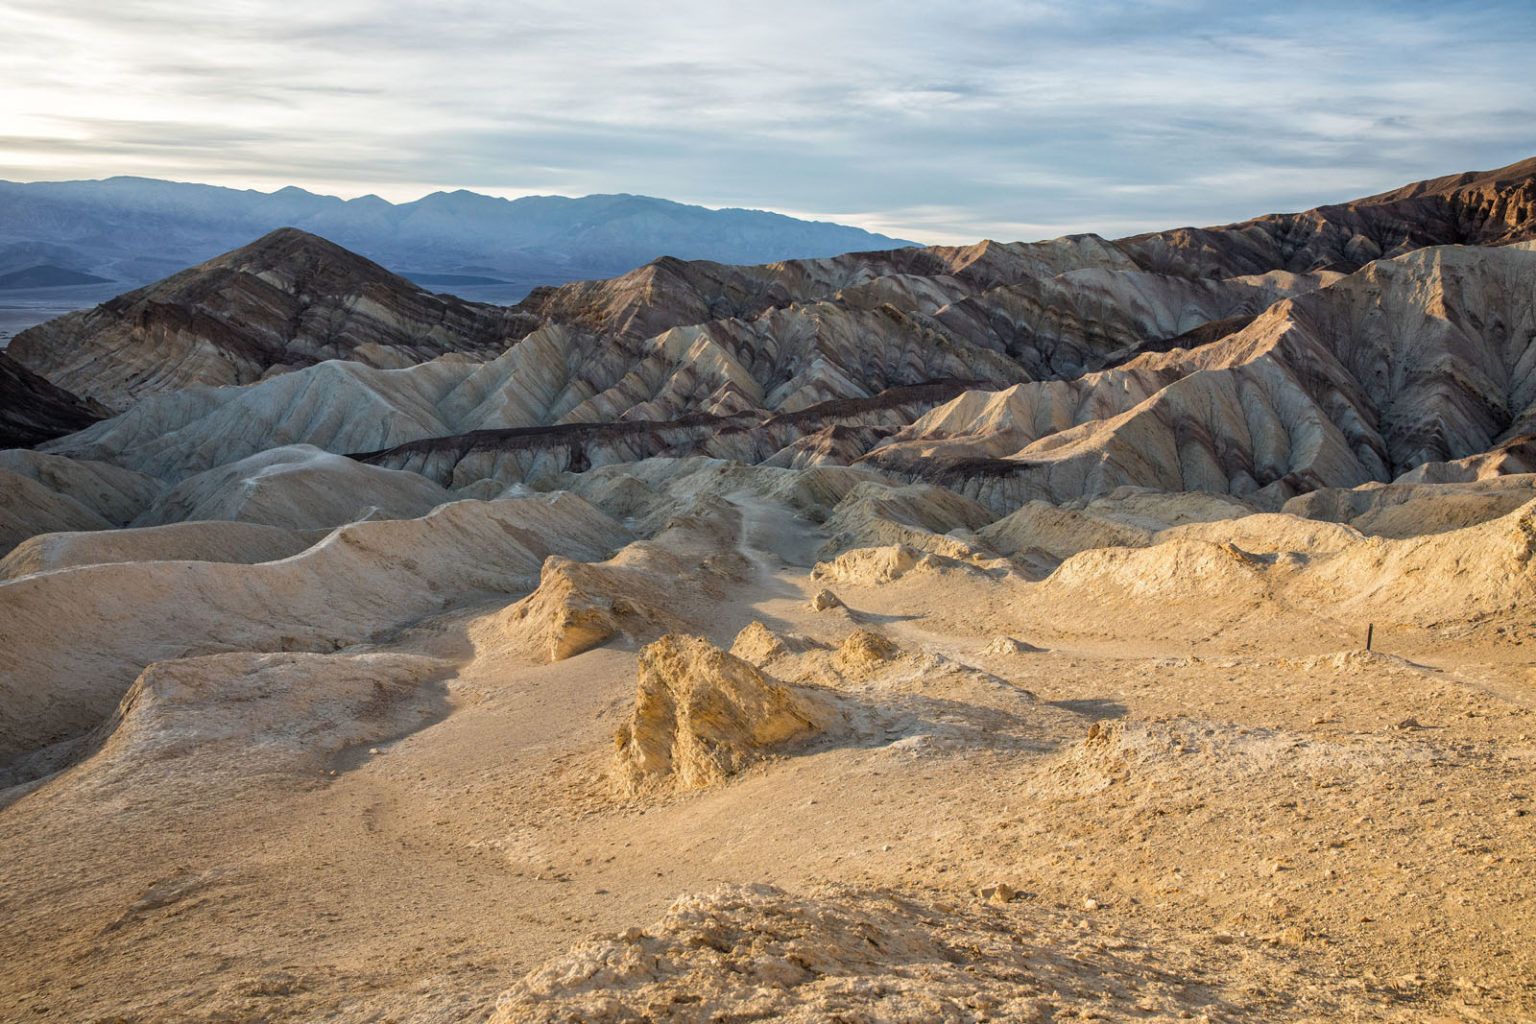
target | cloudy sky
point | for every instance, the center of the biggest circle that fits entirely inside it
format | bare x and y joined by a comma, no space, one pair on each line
928,119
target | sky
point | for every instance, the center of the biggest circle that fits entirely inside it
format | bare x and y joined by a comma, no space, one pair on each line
933,121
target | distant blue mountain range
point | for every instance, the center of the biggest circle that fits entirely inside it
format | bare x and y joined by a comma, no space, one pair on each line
130,231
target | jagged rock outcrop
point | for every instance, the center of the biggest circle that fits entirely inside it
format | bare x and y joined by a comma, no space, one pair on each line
702,715
288,300
758,644
670,581
578,607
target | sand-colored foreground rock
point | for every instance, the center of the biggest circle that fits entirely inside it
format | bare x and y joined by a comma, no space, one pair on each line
865,649
1012,645
578,606
759,644
885,564
824,600
702,715
756,952
653,586
869,565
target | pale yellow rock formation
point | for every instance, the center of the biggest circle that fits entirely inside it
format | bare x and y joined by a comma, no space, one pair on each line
702,715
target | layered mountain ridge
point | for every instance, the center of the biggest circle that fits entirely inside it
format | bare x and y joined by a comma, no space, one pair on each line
287,300
1067,367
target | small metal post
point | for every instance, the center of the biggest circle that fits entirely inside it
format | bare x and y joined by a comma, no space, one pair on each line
1370,634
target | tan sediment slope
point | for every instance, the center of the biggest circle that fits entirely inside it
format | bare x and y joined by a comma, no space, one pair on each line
45,493
298,487
179,542
115,494
247,715
1476,573
28,508
76,638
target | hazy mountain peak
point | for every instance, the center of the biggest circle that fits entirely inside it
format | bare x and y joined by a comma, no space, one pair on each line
132,230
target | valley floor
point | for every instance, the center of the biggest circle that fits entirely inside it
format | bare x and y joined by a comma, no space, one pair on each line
1245,818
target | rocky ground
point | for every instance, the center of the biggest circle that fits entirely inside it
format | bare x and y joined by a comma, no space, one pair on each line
991,799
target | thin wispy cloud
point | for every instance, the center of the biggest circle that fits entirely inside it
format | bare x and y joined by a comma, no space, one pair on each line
943,122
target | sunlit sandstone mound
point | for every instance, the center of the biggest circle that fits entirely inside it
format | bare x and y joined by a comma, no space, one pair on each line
702,715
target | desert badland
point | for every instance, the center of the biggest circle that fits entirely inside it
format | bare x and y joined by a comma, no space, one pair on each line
953,634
